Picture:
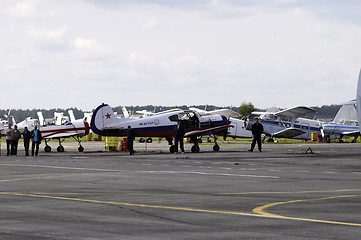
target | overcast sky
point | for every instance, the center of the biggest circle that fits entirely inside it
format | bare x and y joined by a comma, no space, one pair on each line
81,53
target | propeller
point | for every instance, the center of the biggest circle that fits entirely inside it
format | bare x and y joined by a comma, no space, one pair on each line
321,128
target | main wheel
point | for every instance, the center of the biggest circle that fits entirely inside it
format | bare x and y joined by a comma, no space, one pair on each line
172,149
47,148
149,140
195,149
216,148
60,149
80,149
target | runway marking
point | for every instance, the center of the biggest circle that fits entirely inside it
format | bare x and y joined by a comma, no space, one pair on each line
321,191
130,204
60,167
258,212
262,211
130,171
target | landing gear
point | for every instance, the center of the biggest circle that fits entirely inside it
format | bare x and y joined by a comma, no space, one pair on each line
172,149
195,149
60,148
216,148
149,140
47,148
80,148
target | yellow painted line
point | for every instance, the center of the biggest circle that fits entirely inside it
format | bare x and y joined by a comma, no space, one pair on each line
130,204
322,191
262,211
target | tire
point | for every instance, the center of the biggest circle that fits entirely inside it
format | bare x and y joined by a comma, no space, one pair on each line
141,140
172,149
47,148
149,140
80,149
60,149
195,149
216,148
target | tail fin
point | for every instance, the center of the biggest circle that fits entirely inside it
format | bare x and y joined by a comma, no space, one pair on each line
13,119
71,115
125,112
41,118
58,118
103,116
358,101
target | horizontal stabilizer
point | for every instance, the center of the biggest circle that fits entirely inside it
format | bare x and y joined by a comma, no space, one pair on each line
289,133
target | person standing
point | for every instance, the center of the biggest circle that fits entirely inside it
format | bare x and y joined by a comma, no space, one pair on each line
15,136
27,137
179,136
36,140
8,140
131,136
257,130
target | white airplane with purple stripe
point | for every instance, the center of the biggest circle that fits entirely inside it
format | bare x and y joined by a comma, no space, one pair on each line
105,123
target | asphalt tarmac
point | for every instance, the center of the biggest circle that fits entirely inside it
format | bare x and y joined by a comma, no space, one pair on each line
280,193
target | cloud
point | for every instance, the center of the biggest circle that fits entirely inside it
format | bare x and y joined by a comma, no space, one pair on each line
24,9
49,39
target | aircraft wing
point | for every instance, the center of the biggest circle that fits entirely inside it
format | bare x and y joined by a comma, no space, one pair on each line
296,112
352,133
288,133
61,135
213,130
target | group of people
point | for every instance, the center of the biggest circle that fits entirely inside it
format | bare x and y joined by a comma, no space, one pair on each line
12,140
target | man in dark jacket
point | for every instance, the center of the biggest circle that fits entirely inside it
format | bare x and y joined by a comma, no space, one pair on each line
179,136
15,136
257,130
36,140
27,137
131,136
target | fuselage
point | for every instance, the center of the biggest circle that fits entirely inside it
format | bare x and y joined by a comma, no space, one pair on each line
105,123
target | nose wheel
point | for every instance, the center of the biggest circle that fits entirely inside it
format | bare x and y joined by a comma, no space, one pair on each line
216,147
195,149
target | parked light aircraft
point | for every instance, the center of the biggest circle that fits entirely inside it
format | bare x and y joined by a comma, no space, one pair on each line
74,129
286,123
343,125
105,123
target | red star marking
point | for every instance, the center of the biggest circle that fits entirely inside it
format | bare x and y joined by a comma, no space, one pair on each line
108,115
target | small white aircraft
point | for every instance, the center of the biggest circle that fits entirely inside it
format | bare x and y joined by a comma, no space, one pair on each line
105,123
55,130
286,123
343,125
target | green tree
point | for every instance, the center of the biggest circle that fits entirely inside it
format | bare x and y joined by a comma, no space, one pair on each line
246,109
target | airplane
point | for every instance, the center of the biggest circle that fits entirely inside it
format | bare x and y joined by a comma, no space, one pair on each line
288,123
344,124
105,123
52,130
